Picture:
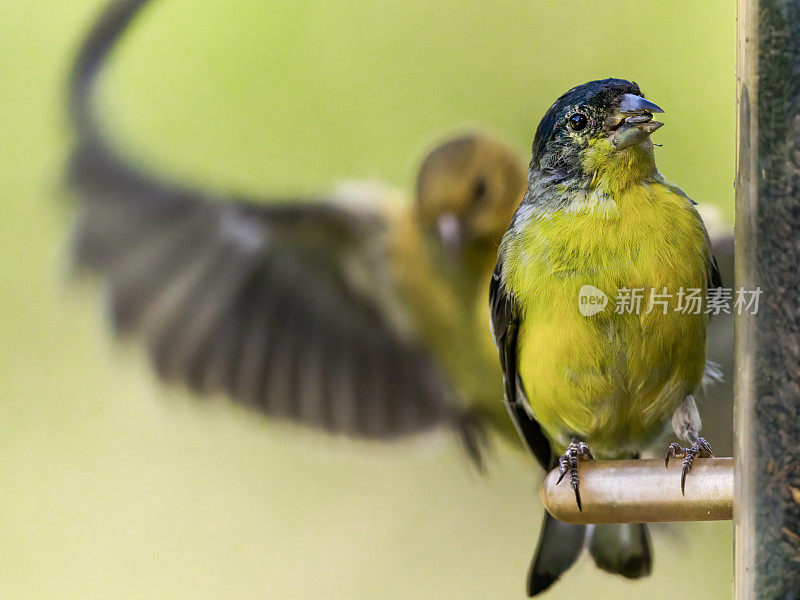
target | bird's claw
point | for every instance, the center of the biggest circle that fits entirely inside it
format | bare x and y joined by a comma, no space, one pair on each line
568,463
700,449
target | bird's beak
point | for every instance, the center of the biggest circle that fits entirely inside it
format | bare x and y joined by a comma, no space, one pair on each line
633,122
451,234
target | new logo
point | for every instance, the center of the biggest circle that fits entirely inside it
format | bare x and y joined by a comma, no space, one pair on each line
591,300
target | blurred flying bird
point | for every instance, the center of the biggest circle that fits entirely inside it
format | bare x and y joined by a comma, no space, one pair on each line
369,322
606,382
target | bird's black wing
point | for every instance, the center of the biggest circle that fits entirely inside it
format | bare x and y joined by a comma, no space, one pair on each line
276,305
714,279
505,328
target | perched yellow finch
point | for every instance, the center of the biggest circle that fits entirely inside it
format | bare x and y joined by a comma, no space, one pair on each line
366,321
598,216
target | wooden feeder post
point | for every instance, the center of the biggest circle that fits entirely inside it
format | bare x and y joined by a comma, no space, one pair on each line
767,379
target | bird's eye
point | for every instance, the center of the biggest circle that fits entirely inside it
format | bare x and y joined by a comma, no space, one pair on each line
578,122
479,190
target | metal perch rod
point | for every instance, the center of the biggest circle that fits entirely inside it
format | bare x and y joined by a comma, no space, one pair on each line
643,491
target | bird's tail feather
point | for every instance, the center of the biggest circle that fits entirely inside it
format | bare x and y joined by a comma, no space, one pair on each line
559,546
622,548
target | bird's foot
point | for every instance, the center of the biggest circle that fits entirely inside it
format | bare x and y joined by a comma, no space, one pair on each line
472,426
700,449
568,463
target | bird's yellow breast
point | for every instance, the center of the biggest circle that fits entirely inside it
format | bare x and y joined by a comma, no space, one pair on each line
612,379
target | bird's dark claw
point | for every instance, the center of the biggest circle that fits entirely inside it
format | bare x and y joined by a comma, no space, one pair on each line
472,429
700,449
569,463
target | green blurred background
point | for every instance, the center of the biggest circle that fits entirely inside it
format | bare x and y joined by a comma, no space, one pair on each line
112,486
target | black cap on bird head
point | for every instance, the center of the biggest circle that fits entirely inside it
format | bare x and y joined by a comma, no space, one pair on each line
612,109
467,191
